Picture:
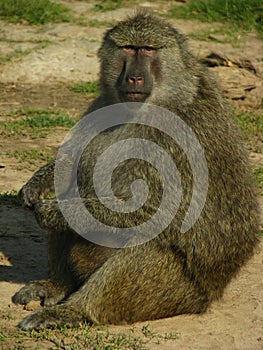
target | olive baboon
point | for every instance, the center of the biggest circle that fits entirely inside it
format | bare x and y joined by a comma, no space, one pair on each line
145,59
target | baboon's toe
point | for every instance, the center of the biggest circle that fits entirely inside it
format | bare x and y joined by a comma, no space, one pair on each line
26,294
45,291
37,321
52,317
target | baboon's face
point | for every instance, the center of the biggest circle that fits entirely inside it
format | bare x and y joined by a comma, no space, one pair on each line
138,69
138,57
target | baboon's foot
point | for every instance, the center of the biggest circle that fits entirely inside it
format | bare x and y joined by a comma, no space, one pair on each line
52,317
48,292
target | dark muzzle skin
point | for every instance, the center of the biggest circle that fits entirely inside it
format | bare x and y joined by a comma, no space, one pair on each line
135,82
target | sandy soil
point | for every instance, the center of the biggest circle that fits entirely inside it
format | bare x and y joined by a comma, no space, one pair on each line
54,57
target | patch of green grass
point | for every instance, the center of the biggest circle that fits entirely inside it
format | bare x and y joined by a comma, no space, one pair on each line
247,14
107,5
91,87
31,157
147,332
86,337
2,337
251,125
34,123
258,177
33,11
171,335
97,23
228,34
10,197
17,54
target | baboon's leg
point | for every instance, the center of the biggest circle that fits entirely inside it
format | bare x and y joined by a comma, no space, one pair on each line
71,260
60,278
135,284
86,257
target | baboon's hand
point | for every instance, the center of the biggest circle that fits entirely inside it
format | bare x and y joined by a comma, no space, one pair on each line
29,195
40,184
49,292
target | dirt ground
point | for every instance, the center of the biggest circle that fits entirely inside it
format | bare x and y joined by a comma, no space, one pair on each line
45,62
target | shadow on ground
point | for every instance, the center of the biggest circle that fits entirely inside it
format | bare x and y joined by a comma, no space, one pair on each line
23,246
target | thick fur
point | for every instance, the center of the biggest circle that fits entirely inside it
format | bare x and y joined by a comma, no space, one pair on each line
176,272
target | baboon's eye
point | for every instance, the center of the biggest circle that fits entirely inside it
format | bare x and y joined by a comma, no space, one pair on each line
145,50
148,50
129,49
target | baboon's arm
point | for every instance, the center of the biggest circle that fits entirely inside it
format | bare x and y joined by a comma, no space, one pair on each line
50,217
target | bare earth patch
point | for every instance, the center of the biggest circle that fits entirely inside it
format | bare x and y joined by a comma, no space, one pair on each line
51,59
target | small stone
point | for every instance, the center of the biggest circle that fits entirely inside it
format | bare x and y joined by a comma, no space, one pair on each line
33,305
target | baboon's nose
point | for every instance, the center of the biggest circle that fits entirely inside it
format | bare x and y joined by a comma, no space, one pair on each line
135,80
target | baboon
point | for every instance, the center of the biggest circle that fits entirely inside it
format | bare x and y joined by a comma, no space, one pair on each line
145,59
